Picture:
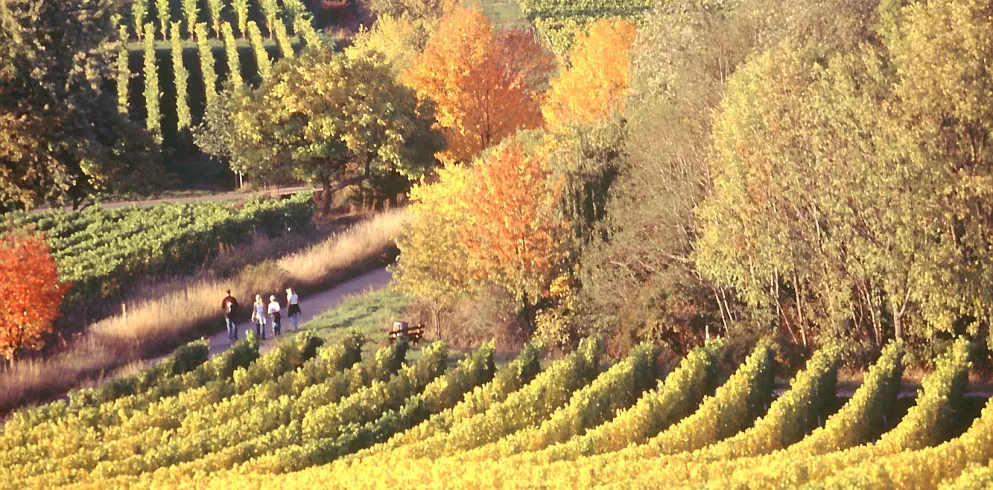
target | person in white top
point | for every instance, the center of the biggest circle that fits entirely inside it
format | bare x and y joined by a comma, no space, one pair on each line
259,316
274,313
293,307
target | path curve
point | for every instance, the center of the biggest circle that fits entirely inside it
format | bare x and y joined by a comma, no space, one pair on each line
311,307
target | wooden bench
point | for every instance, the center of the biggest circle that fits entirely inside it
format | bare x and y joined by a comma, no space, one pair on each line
401,329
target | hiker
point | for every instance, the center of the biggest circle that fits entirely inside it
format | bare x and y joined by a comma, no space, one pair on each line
274,312
230,305
293,307
258,316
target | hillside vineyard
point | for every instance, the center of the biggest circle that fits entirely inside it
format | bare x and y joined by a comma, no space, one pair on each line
307,414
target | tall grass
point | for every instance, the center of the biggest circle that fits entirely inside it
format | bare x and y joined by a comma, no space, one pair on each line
156,325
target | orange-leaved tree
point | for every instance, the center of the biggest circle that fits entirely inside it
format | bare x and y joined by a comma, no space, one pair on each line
596,81
496,223
516,238
30,292
486,84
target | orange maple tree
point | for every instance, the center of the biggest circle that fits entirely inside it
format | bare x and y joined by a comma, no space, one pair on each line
596,81
486,85
514,237
30,292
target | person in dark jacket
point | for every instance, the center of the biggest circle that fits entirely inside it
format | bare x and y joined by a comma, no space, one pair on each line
230,305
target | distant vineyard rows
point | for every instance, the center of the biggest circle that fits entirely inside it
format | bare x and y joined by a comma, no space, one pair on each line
177,55
104,251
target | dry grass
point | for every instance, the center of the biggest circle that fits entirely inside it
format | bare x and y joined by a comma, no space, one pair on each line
157,325
360,243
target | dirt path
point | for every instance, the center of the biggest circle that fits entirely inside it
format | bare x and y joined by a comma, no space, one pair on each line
310,306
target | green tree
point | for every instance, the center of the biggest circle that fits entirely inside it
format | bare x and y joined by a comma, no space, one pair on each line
639,273
191,10
294,8
332,121
231,53
943,56
856,189
283,41
270,11
162,13
153,118
123,75
62,139
398,40
207,64
262,60
241,16
182,78
215,135
139,12
305,30
215,10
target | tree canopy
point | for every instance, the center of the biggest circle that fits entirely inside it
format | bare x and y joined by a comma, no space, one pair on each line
61,139
595,83
31,292
332,120
486,84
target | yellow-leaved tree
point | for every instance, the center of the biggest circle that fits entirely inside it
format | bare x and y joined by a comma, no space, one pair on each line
434,261
596,81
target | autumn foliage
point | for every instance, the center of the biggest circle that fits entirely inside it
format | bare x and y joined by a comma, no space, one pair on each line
514,238
486,84
594,84
30,293
494,224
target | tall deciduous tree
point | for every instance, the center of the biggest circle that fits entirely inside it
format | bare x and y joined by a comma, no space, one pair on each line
241,16
31,293
182,80
207,62
262,60
60,134
640,277
495,224
397,40
434,261
595,83
231,55
162,13
123,76
333,121
515,237
861,189
486,84
153,117
191,10
215,9
139,12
